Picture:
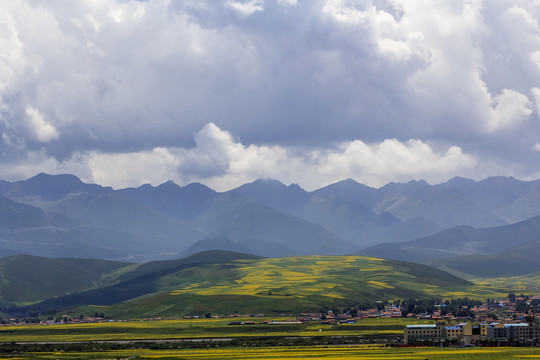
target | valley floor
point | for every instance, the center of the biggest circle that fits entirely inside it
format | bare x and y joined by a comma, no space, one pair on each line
216,339
371,352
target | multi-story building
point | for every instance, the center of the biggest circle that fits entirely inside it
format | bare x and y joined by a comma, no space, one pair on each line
522,332
468,333
414,333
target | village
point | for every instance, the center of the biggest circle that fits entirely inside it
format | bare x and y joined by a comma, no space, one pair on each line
514,320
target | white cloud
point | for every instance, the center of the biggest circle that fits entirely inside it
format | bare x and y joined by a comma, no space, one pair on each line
342,11
392,160
245,8
510,108
40,129
222,162
119,170
14,58
536,97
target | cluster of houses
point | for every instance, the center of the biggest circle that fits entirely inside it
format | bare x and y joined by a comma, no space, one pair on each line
468,334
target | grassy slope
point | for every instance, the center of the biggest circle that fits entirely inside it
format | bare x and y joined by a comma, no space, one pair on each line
138,280
291,285
25,279
222,282
527,283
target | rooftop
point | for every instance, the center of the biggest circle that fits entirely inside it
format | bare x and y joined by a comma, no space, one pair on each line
421,326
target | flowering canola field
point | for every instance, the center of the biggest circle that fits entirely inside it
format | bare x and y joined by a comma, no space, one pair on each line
328,276
298,353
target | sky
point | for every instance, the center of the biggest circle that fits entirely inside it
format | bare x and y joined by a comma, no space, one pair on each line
223,92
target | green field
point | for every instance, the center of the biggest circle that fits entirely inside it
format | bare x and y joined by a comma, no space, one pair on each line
197,328
321,352
215,339
529,284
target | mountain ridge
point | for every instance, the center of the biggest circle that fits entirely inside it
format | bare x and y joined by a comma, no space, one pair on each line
162,221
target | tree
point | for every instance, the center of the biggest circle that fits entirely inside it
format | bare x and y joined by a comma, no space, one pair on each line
522,307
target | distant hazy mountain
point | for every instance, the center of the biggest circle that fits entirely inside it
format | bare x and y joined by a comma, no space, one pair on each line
494,192
107,223
239,218
442,205
339,211
111,210
514,261
173,200
25,229
59,214
272,193
44,187
14,215
463,240
5,187
352,190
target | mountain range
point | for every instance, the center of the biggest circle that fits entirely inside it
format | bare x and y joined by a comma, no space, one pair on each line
60,216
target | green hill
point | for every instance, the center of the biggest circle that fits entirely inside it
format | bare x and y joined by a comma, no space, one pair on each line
223,282
27,279
292,285
141,279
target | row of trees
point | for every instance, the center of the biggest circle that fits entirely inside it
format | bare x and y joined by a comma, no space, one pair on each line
459,307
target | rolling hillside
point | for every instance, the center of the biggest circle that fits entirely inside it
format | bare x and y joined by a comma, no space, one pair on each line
225,282
27,279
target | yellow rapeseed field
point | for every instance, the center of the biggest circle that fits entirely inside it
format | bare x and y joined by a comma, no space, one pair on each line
300,353
301,276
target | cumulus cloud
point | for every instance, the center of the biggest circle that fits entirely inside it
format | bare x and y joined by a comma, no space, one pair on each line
119,170
510,109
223,162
